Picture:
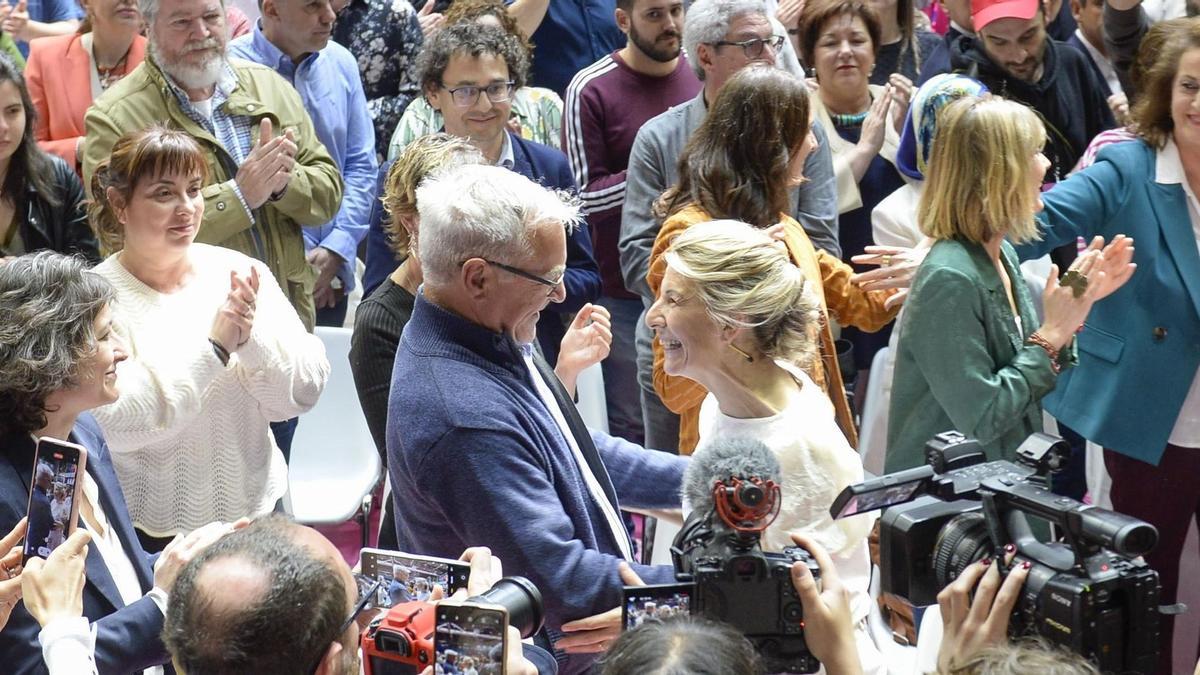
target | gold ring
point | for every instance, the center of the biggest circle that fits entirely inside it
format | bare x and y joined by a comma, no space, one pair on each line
1076,281
887,260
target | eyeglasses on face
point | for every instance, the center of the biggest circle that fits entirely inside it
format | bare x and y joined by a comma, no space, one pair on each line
552,283
467,95
753,48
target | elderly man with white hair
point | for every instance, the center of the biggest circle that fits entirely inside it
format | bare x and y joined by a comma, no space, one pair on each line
485,447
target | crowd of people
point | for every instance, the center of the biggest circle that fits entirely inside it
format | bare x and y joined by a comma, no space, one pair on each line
734,209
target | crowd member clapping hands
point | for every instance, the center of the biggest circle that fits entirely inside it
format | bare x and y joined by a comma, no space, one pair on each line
216,350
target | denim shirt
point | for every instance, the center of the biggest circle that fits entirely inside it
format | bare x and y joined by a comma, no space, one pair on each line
331,89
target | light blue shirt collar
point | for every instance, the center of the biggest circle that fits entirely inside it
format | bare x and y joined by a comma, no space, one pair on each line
507,158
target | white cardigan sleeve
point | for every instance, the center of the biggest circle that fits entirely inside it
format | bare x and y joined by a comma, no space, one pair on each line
283,366
162,390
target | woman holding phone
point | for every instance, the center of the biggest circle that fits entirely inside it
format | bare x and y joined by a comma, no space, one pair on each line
58,359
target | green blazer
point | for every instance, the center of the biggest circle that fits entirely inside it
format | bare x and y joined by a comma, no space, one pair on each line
961,364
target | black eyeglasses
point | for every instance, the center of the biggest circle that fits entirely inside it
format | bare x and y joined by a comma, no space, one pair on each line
361,605
467,95
753,48
365,600
552,283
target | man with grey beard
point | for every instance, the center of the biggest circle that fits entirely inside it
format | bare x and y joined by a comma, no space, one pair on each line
268,175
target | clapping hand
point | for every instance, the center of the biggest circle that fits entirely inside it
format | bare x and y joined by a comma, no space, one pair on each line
235,318
267,170
586,343
430,20
902,91
16,19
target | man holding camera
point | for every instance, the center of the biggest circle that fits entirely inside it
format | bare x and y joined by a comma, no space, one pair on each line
276,598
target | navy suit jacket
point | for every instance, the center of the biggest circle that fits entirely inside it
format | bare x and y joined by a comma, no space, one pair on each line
1075,42
539,163
127,636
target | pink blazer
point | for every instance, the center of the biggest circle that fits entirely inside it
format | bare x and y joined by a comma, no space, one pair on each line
59,77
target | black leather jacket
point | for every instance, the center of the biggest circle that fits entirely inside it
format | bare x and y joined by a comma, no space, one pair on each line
63,228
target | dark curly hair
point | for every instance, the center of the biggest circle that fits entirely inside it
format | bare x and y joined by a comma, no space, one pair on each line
470,10
284,630
49,302
474,40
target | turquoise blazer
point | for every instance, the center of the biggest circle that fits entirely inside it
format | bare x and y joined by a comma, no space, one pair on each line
1140,347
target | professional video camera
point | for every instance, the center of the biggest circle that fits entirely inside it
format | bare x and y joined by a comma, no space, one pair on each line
1090,593
733,489
401,641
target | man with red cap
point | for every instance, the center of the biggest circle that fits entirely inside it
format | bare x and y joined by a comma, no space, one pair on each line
1014,57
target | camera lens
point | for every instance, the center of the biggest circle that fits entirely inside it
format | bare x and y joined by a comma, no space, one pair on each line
961,542
523,601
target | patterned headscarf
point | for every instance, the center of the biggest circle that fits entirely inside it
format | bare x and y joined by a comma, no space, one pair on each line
916,140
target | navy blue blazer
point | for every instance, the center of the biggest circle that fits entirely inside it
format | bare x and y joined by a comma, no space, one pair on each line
1140,347
127,637
1075,42
539,163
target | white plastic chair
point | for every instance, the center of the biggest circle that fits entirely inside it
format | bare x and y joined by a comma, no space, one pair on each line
334,466
872,435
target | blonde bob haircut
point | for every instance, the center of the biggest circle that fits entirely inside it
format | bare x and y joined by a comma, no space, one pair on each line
977,185
420,159
746,281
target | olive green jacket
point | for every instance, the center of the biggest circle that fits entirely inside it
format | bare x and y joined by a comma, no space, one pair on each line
312,197
961,364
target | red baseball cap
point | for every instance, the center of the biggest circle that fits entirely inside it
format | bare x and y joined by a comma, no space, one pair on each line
984,12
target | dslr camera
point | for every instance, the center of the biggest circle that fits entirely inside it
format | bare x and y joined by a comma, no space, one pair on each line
736,582
1089,592
401,641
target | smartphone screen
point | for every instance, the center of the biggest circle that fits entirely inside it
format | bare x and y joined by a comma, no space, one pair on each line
655,603
405,578
469,638
53,495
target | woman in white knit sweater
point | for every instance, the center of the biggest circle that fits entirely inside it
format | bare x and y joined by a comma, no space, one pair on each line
216,352
737,316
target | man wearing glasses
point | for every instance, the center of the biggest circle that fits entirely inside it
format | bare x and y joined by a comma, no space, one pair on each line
720,37
485,446
468,73
277,597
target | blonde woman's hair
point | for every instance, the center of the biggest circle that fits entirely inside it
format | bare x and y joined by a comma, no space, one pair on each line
743,279
421,158
1029,655
977,185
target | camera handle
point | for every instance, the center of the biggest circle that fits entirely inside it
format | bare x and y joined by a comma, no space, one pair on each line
1012,527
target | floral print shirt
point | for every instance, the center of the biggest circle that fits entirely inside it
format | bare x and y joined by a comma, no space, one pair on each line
385,37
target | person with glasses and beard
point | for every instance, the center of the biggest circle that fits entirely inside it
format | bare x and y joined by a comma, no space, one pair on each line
607,103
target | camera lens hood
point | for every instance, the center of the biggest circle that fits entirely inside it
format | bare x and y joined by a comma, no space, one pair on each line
523,601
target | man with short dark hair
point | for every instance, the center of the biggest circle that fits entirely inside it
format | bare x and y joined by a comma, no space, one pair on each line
1088,38
606,104
268,599
1015,58
468,73
292,38
276,598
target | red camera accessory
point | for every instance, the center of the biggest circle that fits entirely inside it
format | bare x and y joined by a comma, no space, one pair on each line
746,504
404,634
